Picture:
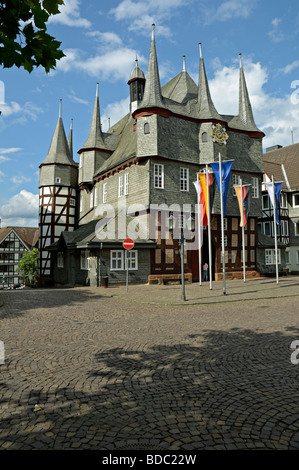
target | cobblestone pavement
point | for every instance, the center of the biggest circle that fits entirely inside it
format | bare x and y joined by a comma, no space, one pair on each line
94,368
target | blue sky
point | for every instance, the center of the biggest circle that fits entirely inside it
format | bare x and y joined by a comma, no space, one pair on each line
101,40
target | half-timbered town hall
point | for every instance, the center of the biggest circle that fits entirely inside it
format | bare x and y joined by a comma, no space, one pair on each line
148,160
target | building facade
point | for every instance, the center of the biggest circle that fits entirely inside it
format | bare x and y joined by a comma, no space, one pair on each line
281,163
144,165
14,242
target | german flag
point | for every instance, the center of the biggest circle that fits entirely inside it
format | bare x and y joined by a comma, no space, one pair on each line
243,195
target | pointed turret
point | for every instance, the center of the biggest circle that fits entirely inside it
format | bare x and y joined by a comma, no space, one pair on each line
152,92
136,83
59,150
245,110
95,138
206,108
70,139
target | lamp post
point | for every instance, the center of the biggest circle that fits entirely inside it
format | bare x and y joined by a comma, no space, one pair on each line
171,225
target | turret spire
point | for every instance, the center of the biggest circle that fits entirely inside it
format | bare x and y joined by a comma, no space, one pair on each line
206,106
95,138
70,139
184,63
59,150
152,92
245,110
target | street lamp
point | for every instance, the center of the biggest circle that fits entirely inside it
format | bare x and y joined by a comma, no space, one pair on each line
171,225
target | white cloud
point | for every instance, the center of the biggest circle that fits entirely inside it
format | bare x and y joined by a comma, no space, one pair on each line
20,179
141,15
109,38
234,9
6,151
290,67
20,209
114,64
75,99
26,111
115,112
70,15
274,116
275,34
2,176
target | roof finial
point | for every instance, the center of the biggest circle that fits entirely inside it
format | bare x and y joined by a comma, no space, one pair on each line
153,31
97,93
71,128
184,63
240,57
200,50
136,60
60,102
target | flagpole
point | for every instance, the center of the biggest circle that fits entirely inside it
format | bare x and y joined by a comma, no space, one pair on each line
222,226
209,227
243,232
275,232
199,233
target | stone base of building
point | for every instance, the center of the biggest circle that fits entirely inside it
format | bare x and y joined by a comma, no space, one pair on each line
237,275
170,278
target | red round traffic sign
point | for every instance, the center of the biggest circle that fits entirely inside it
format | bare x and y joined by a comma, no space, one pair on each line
128,244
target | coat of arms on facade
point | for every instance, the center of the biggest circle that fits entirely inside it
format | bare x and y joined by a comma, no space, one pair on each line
219,134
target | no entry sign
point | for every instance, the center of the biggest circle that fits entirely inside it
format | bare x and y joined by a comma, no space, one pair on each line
128,244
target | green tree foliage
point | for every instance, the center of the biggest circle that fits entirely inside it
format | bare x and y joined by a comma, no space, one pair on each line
28,267
24,41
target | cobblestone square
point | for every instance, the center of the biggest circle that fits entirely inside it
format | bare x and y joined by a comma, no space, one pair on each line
106,369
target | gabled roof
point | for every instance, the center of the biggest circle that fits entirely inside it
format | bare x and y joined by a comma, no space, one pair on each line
29,235
288,160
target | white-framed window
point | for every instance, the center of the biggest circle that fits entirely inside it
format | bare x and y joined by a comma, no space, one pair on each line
265,202
236,182
225,223
285,228
91,199
267,228
132,260
158,176
225,240
72,201
126,189
296,229
283,201
287,255
118,260
184,179
60,259
96,196
120,185
255,187
270,256
84,260
296,200
104,193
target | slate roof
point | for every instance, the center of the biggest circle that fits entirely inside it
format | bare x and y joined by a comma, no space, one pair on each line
288,157
180,95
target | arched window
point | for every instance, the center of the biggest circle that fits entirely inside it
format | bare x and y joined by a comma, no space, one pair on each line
204,137
146,128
